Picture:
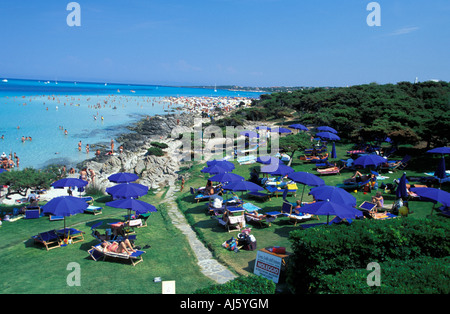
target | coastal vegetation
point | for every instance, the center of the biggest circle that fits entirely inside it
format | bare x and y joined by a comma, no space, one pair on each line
404,112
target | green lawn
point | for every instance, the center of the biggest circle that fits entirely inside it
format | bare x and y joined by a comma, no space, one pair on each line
29,268
277,234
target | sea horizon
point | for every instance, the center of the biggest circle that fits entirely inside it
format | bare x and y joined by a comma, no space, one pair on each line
56,115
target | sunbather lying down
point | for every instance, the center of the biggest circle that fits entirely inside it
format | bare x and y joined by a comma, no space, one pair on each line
118,247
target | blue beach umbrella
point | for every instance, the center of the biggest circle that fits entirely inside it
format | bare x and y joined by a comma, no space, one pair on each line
262,127
65,206
369,160
215,169
328,136
242,186
277,169
439,150
298,126
280,130
267,160
69,182
138,206
434,194
123,177
127,190
326,129
226,177
402,191
221,163
306,178
330,208
334,194
249,134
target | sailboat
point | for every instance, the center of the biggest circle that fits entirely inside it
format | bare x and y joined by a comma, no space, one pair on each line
215,89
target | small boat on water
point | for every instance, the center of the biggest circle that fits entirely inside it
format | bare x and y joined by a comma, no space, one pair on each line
132,91
5,81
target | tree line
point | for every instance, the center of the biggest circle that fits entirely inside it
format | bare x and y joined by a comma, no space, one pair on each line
404,112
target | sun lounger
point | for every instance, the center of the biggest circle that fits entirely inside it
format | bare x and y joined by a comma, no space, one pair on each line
278,190
246,160
396,165
95,210
97,252
288,211
197,196
49,239
32,213
233,218
55,218
329,171
73,234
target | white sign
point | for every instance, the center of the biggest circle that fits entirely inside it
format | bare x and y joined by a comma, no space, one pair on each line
268,266
168,287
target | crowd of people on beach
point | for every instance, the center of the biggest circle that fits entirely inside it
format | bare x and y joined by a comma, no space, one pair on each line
207,104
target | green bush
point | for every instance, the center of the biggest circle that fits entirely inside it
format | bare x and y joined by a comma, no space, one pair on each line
155,151
425,275
251,284
160,145
328,250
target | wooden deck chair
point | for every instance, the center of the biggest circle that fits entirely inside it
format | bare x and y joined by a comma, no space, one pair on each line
74,234
49,239
398,165
95,210
198,197
288,210
97,252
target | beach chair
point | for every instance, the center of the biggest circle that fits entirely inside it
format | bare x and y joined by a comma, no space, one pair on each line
72,234
88,199
97,253
329,171
49,239
197,196
287,210
277,190
94,210
252,216
32,213
368,208
396,165
233,219
444,211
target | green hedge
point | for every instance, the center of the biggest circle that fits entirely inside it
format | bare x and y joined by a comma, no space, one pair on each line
328,250
156,151
426,275
251,284
160,145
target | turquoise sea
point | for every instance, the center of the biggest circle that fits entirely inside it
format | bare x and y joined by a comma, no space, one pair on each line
43,110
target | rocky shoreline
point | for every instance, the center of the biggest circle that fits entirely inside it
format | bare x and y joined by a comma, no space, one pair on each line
154,171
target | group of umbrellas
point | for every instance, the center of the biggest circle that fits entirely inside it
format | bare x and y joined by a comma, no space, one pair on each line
330,201
124,195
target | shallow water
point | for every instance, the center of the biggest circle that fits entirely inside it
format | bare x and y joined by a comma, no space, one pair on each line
91,113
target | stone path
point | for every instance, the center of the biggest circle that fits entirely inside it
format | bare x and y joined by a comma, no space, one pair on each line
208,265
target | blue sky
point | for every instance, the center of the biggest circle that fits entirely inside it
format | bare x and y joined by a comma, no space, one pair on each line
226,42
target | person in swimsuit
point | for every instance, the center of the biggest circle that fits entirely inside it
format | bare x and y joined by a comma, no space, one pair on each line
118,247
